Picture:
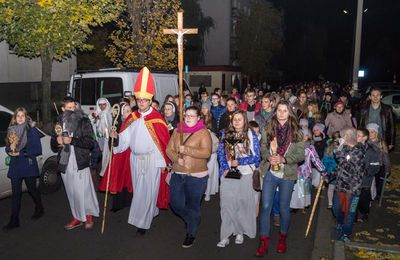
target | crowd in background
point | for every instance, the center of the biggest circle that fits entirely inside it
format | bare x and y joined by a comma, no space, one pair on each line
295,137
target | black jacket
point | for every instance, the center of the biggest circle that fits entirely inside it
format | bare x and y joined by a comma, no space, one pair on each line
373,164
387,119
82,141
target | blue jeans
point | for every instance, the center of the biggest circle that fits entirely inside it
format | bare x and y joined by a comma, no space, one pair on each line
185,199
345,226
285,194
275,205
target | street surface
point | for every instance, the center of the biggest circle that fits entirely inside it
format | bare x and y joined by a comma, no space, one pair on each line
46,239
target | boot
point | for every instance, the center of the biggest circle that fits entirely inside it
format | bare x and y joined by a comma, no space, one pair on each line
89,222
38,213
263,246
14,223
282,243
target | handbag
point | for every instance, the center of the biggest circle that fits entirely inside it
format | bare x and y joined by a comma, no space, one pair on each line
256,180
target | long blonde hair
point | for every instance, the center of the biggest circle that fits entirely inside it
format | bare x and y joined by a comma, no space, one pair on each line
14,116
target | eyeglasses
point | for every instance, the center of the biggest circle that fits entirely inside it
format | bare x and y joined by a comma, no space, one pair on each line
142,100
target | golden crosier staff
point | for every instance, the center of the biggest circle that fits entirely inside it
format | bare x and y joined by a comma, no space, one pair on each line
13,139
274,150
58,130
116,111
321,182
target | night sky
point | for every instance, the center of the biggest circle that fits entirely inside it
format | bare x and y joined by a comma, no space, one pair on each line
319,39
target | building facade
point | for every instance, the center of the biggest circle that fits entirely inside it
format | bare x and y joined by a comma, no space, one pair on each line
20,79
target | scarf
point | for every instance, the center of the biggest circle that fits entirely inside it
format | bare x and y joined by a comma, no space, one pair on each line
22,133
266,115
283,136
186,129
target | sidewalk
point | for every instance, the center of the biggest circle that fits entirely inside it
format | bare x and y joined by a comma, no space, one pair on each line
379,238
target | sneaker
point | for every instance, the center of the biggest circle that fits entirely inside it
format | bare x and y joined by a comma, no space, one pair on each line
207,198
239,239
223,243
89,222
329,207
277,221
188,242
73,224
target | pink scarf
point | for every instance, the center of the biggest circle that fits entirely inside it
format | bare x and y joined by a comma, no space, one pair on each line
186,129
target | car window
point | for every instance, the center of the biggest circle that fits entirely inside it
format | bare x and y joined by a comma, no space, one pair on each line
84,91
110,88
396,100
5,119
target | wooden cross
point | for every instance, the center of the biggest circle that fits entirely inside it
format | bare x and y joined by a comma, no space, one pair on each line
180,32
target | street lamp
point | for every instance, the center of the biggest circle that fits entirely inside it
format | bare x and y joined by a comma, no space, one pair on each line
357,44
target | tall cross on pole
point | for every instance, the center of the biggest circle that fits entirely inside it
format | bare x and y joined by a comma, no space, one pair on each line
180,32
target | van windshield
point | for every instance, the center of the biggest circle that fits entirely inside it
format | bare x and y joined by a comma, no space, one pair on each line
88,90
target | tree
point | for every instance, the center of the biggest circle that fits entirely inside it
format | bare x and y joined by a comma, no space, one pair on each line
139,40
260,36
52,30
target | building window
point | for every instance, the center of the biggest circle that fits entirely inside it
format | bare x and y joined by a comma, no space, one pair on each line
197,80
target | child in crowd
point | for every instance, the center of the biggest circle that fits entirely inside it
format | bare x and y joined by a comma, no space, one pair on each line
301,196
330,164
373,165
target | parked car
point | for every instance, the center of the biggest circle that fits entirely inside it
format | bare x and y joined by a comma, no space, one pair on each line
393,101
50,180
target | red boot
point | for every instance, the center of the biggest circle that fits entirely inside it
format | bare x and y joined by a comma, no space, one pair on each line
89,222
263,247
73,224
281,244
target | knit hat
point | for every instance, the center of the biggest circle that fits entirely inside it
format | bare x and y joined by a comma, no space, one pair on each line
338,103
320,127
306,131
303,122
373,126
206,105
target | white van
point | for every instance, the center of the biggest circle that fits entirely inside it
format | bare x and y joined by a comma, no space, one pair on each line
113,84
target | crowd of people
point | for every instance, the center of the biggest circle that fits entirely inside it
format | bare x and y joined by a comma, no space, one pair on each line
288,140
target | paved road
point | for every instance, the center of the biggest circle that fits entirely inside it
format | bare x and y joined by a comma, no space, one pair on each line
46,239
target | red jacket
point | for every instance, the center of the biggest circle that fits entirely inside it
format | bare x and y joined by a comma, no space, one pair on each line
243,106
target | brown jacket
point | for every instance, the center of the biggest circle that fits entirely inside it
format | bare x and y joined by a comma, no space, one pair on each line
196,153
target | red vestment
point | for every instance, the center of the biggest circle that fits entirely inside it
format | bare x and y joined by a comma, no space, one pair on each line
158,130
120,176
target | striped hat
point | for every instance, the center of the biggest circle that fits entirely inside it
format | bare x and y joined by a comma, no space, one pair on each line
144,87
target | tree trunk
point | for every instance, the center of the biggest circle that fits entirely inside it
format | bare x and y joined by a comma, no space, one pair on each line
46,87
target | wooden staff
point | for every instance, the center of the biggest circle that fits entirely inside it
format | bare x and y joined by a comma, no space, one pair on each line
321,182
116,112
55,106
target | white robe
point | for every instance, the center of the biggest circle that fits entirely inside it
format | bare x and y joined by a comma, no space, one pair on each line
146,164
213,169
80,190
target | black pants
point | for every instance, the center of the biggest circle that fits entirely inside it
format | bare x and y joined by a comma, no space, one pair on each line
16,185
365,199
